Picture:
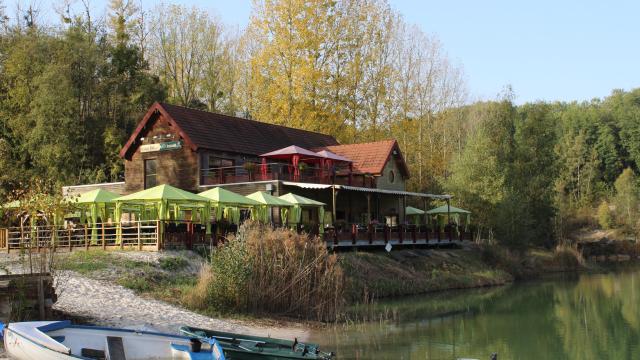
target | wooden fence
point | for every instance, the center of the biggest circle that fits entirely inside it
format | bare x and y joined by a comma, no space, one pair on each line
140,235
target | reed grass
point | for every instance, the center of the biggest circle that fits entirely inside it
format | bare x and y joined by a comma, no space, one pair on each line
262,270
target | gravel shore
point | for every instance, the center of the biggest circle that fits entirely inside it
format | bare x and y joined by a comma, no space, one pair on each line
102,302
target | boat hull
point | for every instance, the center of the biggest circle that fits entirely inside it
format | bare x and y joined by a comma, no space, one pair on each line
19,347
239,347
62,341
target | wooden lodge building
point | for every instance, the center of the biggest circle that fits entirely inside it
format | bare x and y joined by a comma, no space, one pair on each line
196,150
362,183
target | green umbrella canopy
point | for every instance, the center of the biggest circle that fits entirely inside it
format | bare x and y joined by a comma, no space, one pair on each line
267,199
410,210
95,196
443,210
163,192
226,197
300,200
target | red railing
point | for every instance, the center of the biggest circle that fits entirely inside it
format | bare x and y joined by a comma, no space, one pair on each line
285,172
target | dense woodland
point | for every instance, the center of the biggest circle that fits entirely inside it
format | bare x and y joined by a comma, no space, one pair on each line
71,91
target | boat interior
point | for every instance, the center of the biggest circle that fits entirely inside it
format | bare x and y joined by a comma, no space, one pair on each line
88,342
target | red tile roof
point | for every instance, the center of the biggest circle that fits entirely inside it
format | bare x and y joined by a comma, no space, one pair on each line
370,157
202,129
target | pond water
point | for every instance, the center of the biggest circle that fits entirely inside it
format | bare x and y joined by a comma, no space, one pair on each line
588,316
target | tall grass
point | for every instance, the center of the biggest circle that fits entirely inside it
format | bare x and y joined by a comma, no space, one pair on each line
261,270
568,256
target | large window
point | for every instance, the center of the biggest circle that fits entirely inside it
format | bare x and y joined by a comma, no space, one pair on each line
150,173
214,167
216,162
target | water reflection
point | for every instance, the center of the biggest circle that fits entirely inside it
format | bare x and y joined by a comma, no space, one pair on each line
587,317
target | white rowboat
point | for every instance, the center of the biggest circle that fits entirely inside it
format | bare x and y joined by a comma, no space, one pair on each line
60,340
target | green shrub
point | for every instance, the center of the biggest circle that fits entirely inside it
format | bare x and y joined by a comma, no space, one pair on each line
173,263
275,271
568,257
143,282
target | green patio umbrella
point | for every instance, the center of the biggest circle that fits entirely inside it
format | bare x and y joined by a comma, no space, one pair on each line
261,213
98,203
232,214
223,196
410,210
414,212
161,198
300,200
456,212
298,203
266,201
443,210
221,199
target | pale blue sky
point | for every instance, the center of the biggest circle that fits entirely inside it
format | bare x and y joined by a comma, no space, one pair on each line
545,49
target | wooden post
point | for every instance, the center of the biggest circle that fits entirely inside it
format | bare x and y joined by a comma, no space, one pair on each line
333,199
387,231
449,220
403,210
368,208
36,239
120,232
426,216
354,233
139,237
159,233
69,239
104,240
86,237
21,243
41,298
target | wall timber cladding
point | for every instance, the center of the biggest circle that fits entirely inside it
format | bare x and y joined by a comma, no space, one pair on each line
246,189
388,181
177,167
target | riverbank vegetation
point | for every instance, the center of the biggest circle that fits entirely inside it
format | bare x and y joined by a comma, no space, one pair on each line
262,270
278,273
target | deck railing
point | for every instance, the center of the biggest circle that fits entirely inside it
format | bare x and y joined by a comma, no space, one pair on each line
284,172
402,234
141,235
155,235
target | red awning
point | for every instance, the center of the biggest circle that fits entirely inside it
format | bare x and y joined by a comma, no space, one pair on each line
290,151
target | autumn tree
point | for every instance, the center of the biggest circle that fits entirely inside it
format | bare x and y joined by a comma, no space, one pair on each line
626,199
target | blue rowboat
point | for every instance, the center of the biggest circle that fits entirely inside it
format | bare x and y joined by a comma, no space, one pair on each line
60,340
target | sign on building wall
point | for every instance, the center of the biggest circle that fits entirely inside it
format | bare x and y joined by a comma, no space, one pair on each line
165,146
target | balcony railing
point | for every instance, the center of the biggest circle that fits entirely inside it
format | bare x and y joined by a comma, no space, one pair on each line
280,171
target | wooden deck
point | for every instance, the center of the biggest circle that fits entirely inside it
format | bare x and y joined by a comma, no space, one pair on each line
157,235
395,243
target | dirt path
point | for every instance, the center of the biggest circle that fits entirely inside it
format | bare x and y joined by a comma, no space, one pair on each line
113,305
